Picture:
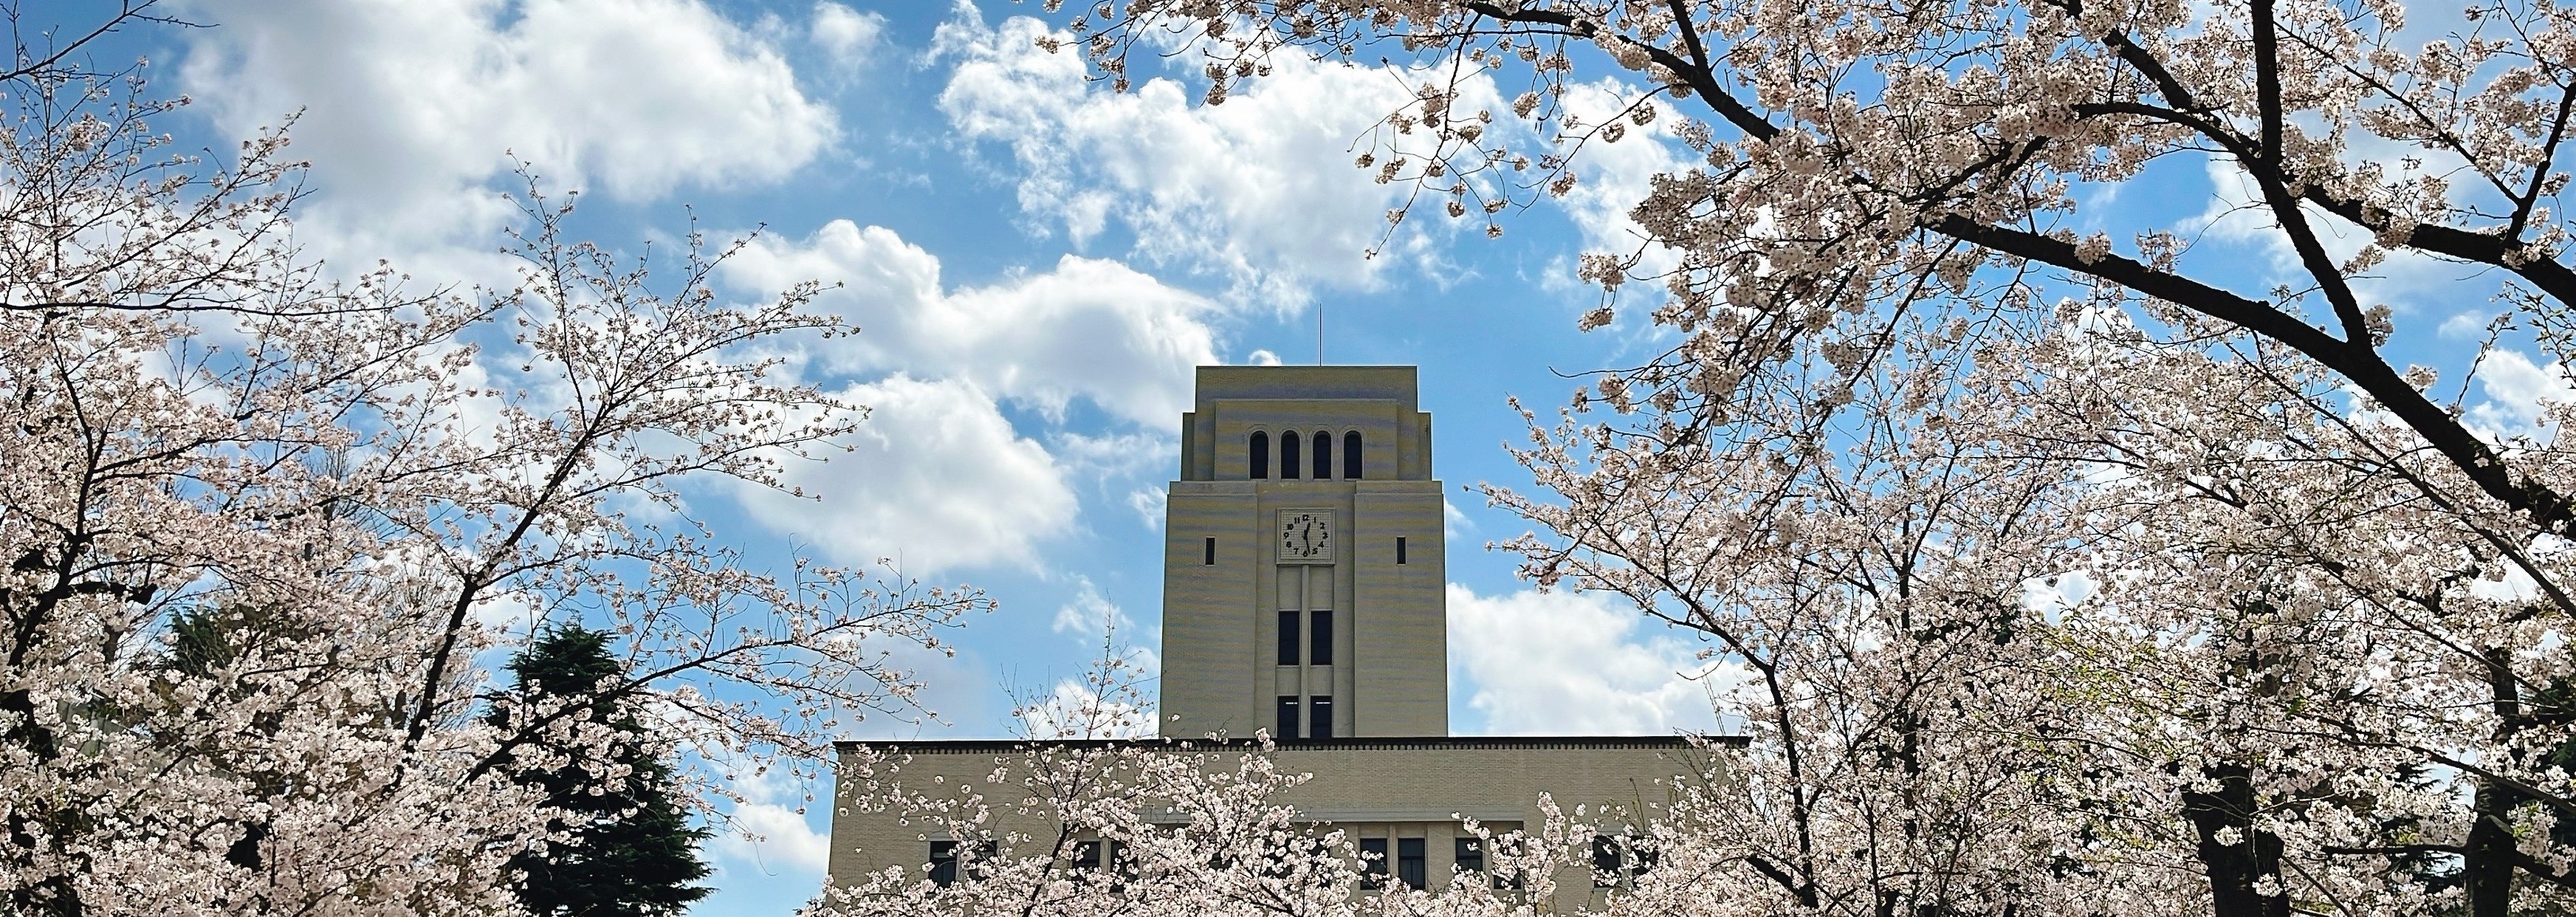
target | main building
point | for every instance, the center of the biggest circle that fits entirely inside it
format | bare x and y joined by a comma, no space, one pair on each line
1305,594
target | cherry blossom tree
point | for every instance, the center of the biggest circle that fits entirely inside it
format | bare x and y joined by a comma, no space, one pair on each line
2066,555
265,521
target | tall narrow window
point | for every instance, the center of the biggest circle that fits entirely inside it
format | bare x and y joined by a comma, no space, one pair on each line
1260,451
1399,548
1086,854
1351,455
1471,854
1287,638
943,863
1319,719
1409,864
1323,455
1372,862
1211,552
1287,718
1288,463
1320,652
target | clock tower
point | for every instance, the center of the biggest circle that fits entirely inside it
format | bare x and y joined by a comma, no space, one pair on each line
1303,578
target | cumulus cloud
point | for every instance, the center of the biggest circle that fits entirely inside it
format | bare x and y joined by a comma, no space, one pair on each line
1559,663
1256,190
1090,329
2519,394
768,833
411,107
850,36
935,477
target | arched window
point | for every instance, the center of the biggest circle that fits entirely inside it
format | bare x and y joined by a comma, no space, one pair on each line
1323,455
1351,455
1260,455
1288,455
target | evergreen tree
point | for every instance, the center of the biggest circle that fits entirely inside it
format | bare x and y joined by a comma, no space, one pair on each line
632,852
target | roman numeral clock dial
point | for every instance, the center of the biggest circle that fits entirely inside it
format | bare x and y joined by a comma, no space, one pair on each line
1306,536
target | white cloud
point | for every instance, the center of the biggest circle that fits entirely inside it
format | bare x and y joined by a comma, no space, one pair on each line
1558,663
1258,190
2518,395
412,107
1150,504
851,36
769,834
1090,614
1090,329
935,477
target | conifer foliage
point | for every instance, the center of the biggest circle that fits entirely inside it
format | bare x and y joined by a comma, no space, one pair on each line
627,848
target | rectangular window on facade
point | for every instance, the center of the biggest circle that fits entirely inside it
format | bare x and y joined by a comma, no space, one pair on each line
1287,638
1470,854
1320,722
1211,553
943,863
1399,549
1410,866
1320,651
1287,718
1616,859
1372,862
1086,854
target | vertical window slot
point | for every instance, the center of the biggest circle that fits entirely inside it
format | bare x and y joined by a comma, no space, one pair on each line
1288,464
1287,638
1287,718
1351,455
1211,552
1320,651
1323,455
1399,549
1260,452
1320,721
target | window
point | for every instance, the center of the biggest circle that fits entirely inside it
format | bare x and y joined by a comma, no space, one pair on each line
1320,721
943,863
1323,455
1287,638
1399,548
1372,862
1260,455
1086,854
1351,455
1616,859
1287,718
1211,553
1321,651
1409,863
1470,854
1288,455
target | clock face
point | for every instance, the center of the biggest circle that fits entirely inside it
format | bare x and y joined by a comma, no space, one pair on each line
1306,536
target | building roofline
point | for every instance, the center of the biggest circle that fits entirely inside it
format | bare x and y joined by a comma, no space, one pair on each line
1388,743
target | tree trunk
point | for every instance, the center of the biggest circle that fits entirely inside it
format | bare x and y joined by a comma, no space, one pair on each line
2235,868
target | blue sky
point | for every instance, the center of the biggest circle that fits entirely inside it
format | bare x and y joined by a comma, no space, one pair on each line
1035,264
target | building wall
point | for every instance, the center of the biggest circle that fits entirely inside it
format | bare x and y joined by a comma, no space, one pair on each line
1371,788
1221,671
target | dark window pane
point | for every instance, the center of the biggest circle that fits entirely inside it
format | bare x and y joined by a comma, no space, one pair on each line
1470,854
1287,719
1605,861
1211,552
1260,455
1399,549
1086,854
1287,638
1372,862
1320,652
1288,464
1351,455
1409,864
1323,455
1320,724
943,863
